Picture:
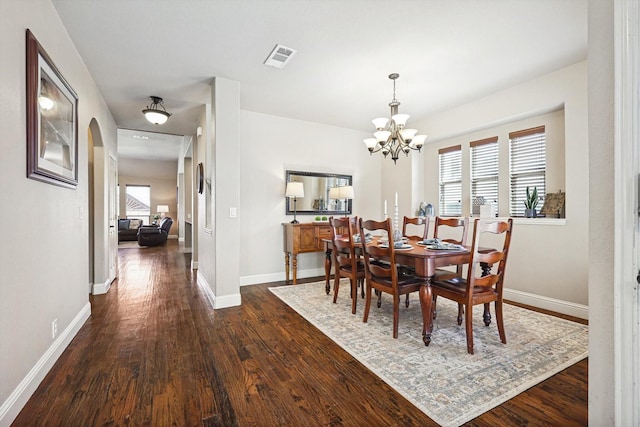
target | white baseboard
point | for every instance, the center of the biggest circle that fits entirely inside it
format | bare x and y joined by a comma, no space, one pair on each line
278,277
172,236
559,306
194,265
11,407
261,278
102,288
220,301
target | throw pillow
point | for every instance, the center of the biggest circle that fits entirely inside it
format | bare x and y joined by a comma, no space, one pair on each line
123,224
135,224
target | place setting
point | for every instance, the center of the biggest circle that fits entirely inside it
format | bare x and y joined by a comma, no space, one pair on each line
439,245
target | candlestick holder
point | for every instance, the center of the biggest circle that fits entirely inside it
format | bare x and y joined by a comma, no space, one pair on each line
397,234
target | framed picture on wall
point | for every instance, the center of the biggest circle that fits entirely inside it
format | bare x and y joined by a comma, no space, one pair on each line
52,120
200,178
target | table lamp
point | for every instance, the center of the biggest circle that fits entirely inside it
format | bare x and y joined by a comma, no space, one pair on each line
163,209
334,193
347,194
295,190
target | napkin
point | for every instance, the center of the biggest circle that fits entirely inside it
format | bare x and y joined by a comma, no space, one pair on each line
367,237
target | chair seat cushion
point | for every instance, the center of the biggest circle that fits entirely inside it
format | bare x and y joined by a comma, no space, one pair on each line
404,281
459,286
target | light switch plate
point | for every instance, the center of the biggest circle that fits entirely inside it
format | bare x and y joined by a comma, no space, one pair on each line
233,212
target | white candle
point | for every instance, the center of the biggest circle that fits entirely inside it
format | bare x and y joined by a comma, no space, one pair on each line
385,208
396,199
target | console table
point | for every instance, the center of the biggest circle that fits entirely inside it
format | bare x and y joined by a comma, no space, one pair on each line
302,238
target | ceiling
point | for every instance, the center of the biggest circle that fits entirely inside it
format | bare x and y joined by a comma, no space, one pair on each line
447,52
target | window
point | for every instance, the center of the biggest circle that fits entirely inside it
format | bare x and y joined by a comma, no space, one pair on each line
138,201
527,164
450,181
484,173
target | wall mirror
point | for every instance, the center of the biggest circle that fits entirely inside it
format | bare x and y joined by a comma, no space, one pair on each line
316,199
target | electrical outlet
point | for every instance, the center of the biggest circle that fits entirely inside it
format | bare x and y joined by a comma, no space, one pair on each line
54,328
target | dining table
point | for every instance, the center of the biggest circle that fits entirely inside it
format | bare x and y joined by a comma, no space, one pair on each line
424,260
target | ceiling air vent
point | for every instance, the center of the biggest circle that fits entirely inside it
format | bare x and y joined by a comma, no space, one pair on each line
279,56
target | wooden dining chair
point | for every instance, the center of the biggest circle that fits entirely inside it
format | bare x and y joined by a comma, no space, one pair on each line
384,276
347,261
460,224
445,226
412,223
482,284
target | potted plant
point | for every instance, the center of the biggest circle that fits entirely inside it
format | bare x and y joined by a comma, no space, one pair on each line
530,203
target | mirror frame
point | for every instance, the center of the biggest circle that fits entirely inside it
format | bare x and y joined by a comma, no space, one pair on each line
289,211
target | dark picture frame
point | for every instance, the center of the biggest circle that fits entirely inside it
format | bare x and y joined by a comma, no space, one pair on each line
52,120
200,177
317,185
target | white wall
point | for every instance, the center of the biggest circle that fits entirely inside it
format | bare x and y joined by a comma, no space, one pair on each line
225,156
44,249
270,145
548,264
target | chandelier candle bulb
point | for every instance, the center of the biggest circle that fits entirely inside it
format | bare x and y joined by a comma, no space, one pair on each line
396,199
385,209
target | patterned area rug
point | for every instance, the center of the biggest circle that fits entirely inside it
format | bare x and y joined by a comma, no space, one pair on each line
449,385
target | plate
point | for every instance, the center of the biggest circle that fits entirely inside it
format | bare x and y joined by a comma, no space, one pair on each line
401,248
443,247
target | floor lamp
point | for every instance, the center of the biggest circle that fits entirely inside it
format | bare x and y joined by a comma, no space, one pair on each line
295,190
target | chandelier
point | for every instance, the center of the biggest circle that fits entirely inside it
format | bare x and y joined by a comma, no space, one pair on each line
391,137
156,112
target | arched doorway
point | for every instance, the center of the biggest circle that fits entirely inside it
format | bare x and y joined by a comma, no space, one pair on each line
102,216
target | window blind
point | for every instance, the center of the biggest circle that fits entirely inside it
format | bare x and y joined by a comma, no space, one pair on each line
527,165
450,167
484,172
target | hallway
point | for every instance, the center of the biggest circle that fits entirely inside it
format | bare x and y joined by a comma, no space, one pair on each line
154,353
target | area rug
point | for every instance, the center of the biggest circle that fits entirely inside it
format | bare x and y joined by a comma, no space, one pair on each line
442,380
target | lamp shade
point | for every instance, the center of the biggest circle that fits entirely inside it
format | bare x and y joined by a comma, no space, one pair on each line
408,134
334,193
163,209
294,189
400,119
345,192
156,117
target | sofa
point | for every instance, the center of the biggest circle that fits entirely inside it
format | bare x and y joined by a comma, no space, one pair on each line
128,229
155,235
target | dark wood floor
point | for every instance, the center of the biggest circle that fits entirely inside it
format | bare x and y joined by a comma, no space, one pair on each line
155,353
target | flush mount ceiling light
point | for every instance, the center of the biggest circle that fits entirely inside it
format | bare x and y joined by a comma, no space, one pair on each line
391,135
156,112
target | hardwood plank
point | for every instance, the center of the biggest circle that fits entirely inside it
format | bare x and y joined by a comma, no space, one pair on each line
154,353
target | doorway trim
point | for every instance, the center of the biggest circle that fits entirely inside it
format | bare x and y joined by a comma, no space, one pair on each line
627,223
